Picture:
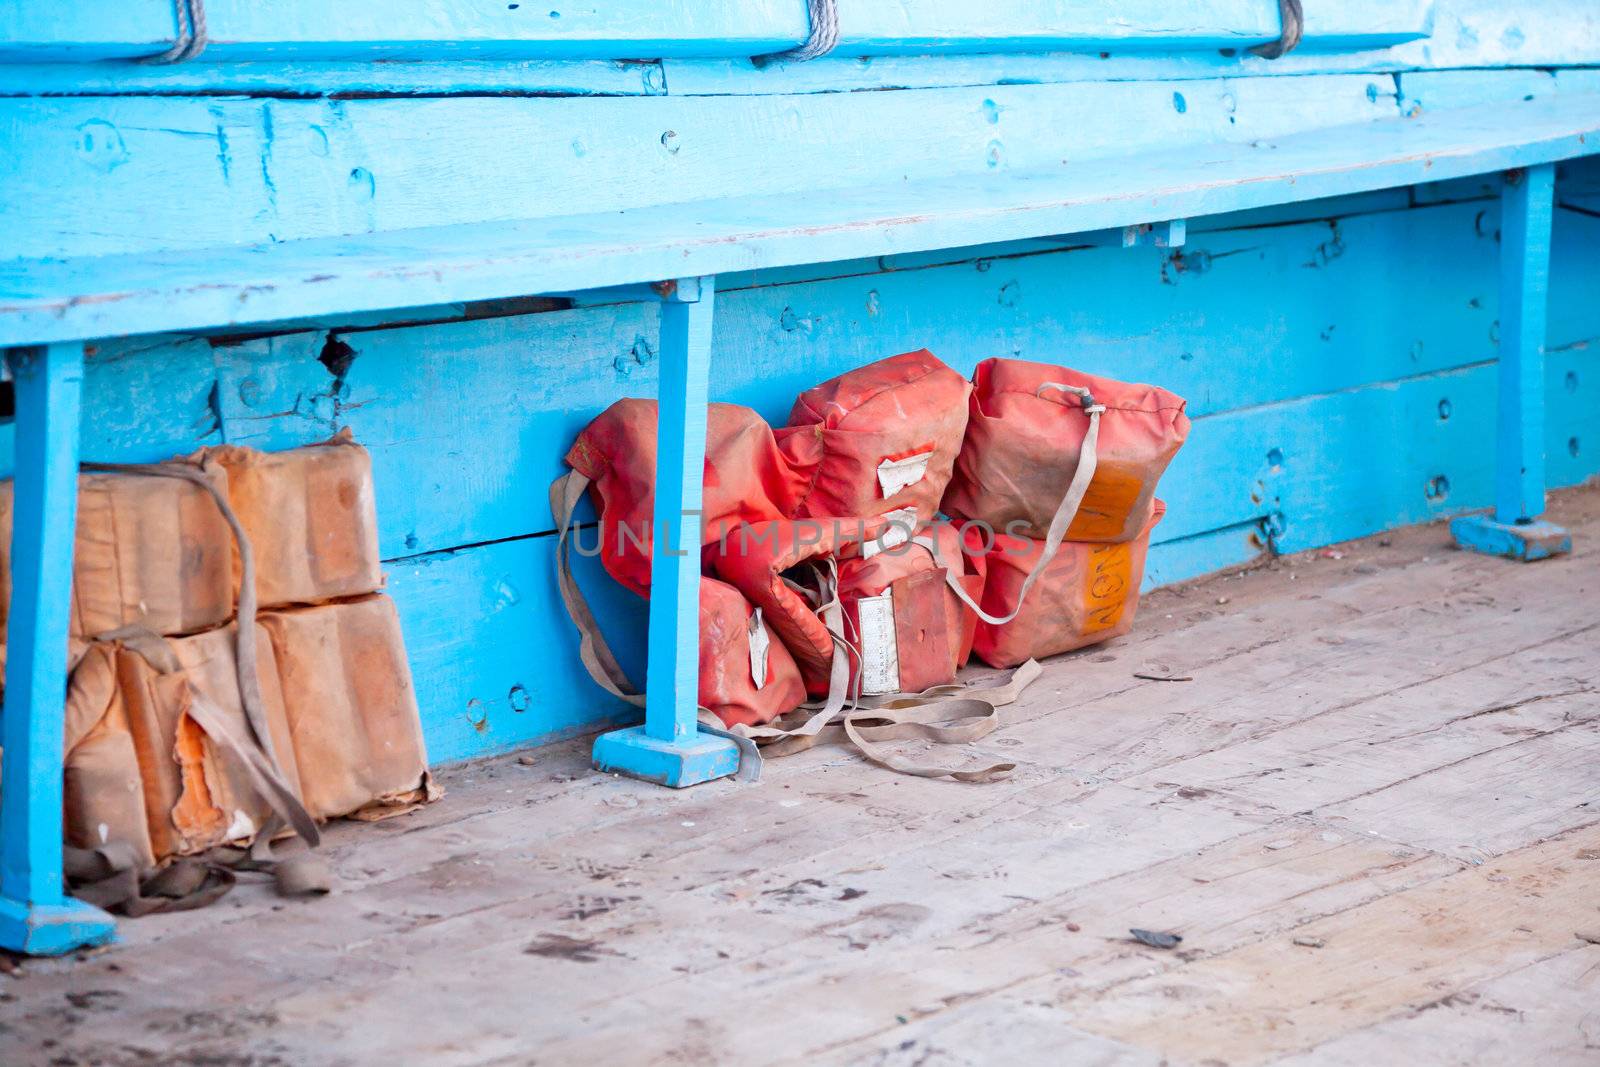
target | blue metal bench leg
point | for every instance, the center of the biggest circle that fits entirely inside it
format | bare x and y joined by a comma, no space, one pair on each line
36,915
670,748
1515,530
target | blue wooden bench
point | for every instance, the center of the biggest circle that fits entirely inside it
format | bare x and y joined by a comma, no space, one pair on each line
52,309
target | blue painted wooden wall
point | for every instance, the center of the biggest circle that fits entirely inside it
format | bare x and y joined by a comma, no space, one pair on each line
1338,356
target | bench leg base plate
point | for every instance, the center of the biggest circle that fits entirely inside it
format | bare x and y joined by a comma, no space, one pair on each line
1524,541
53,929
633,752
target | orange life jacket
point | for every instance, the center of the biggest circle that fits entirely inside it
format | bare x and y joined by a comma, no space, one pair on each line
746,673
1023,444
880,438
909,629
1087,594
746,480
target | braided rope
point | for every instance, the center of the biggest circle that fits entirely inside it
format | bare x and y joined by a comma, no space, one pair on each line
1293,27
191,39
823,39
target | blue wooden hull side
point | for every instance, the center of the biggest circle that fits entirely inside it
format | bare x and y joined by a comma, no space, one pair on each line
1339,367
1339,356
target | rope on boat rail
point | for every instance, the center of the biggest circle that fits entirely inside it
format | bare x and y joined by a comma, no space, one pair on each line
824,35
1293,27
191,39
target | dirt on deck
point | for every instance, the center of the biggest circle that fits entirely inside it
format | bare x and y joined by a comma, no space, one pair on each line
1363,828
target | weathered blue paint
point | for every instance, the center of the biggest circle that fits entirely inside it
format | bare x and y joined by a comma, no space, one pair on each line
262,170
49,300
1522,541
1353,355
670,748
1525,218
1527,206
1338,355
699,758
622,29
35,914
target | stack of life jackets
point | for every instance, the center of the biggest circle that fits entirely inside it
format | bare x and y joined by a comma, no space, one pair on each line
1059,470
235,671
829,575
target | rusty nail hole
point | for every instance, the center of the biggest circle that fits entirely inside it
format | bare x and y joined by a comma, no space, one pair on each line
519,699
1437,489
1572,447
1444,409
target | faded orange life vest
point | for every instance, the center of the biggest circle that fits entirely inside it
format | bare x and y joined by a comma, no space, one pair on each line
910,630
746,480
1087,594
746,673
877,439
1024,441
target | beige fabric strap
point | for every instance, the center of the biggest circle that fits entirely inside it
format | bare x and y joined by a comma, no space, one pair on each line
953,714
109,877
295,871
786,740
245,652
565,492
262,771
1066,511
598,659
947,714
265,778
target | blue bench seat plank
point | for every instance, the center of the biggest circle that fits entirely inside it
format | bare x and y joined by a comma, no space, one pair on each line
630,29
93,297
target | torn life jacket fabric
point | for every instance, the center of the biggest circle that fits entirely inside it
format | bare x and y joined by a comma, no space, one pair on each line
108,854
102,789
349,709
309,516
747,674
747,480
1086,594
199,760
1023,443
149,550
878,439
910,630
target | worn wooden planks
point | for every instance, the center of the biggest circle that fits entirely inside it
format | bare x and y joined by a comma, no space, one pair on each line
259,169
1407,950
902,921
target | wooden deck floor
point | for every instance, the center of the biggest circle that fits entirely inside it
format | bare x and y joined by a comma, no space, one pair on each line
1373,815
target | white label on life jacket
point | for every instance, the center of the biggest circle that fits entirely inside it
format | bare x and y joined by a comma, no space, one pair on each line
895,474
759,643
880,657
898,532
